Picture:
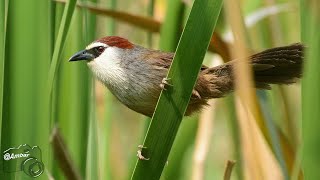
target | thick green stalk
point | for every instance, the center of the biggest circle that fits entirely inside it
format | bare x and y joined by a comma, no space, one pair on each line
170,33
310,25
25,119
173,102
185,140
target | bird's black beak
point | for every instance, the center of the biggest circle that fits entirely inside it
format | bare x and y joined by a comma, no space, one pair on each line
82,55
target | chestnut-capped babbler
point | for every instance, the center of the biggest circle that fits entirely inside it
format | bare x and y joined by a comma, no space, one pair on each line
136,75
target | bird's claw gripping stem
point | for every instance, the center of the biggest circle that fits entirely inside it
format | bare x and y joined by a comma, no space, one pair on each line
165,84
139,153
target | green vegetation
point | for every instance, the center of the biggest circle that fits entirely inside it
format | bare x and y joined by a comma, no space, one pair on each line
171,107
263,133
310,18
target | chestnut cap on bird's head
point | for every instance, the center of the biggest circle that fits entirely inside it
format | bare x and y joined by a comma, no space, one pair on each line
96,48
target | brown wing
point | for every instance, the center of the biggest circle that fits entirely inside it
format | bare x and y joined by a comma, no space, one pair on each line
164,59
165,62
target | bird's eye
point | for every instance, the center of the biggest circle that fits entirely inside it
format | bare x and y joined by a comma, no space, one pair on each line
100,49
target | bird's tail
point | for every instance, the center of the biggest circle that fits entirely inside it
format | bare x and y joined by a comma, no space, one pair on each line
281,65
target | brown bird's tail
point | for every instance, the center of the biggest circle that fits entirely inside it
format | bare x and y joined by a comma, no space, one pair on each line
281,65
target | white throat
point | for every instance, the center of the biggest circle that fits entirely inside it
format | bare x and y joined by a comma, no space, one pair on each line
132,82
107,68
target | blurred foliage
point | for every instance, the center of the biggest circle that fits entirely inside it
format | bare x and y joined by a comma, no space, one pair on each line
40,88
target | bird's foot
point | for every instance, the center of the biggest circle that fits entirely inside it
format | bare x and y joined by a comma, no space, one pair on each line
139,153
165,84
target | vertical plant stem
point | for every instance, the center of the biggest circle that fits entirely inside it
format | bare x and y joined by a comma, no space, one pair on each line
236,136
56,15
244,84
169,37
92,168
310,24
67,87
172,104
204,135
150,13
184,141
203,140
275,36
170,29
3,28
105,129
63,29
24,117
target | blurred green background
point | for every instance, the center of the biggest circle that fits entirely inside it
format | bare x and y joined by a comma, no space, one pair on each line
40,90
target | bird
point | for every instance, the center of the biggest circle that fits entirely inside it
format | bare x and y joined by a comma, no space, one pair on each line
135,75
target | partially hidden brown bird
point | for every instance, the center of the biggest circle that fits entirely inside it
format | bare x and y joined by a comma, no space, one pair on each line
136,75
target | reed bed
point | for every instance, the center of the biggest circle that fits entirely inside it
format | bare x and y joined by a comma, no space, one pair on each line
85,133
